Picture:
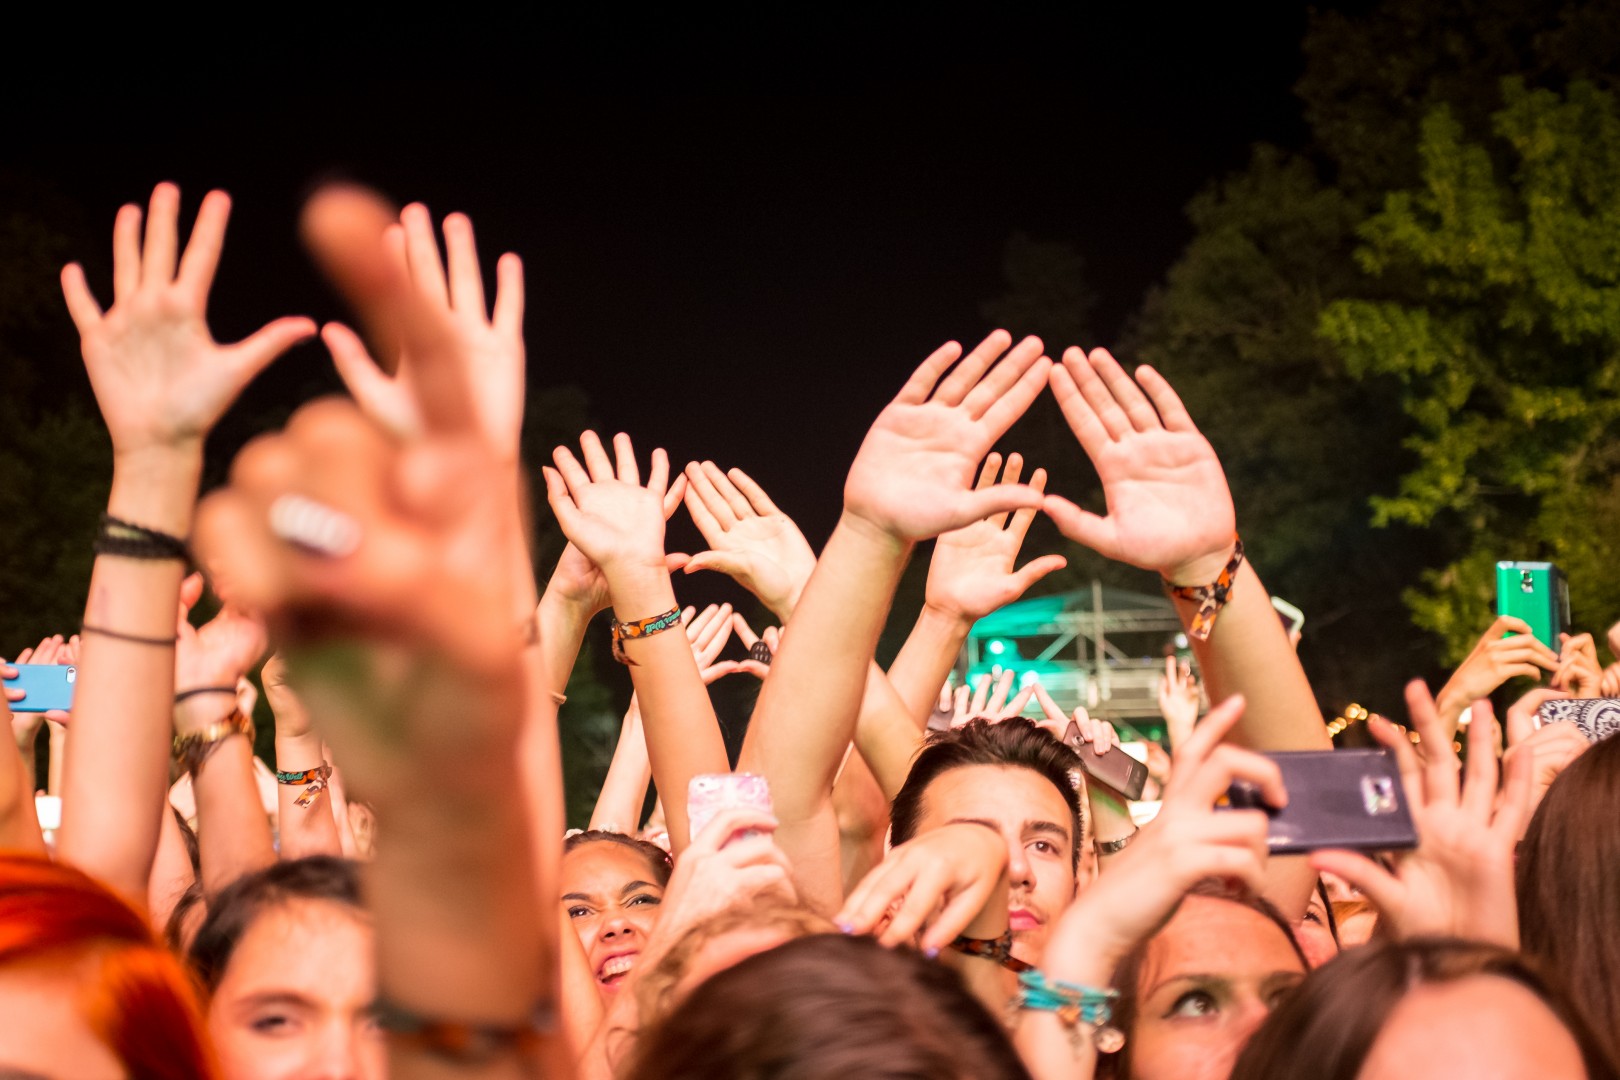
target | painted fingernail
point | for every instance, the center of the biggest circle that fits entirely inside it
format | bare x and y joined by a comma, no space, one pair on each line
932,952
847,928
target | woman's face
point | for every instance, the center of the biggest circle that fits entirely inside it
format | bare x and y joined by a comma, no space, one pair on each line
1314,935
1206,982
295,1001
612,900
1483,1025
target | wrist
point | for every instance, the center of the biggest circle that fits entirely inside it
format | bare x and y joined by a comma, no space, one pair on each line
945,618
854,525
640,593
302,751
197,713
156,487
1201,569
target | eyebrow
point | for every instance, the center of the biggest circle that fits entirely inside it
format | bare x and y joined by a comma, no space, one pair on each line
1200,977
635,885
276,997
577,896
1050,827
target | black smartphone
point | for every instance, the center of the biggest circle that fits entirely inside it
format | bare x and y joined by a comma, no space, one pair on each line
1336,799
1115,769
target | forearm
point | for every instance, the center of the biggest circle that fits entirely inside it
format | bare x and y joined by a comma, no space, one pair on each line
682,734
885,734
172,874
624,789
233,833
562,627
311,829
807,710
116,770
862,810
19,824
926,659
1248,653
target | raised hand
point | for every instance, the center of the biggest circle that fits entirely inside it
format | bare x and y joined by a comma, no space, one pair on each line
219,652
989,700
489,340
52,650
749,538
1169,506
934,888
1495,659
1550,747
1179,698
159,376
1459,880
913,477
971,573
1099,734
708,631
603,507
1578,669
579,582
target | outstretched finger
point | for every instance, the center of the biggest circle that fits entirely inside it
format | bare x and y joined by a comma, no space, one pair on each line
1479,782
1129,396
126,251
1440,777
597,462
1019,703
1082,526
1005,410
1385,891
1003,376
422,253
755,494
253,353
728,491
570,470
658,476
921,384
1054,712
624,454
461,250
162,244
699,480
1097,393
508,314
1022,519
988,471
1037,569
1082,419
1406,759
1165,399
202,253
81,305
744,632
676,493
954,389
379,397
977,505
1517,787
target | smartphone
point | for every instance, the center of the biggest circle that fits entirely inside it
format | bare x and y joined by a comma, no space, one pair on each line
47,686
710,793
1116,769
1537,593
1598,718
1293,619
1336,799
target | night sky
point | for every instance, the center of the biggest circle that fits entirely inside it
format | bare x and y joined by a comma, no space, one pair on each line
737,271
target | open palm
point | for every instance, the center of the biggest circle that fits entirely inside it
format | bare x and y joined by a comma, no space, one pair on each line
1168,502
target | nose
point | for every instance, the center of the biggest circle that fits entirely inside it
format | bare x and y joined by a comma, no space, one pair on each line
1252,1012
617,928
339,1054
1019,871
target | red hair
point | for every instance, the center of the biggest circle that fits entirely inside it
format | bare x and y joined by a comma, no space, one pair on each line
139,999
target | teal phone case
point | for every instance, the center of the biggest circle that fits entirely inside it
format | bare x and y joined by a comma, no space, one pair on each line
1537,593
47,686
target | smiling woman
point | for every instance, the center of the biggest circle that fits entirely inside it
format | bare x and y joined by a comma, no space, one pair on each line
612,886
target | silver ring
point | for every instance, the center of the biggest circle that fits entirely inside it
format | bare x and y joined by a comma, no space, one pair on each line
315,527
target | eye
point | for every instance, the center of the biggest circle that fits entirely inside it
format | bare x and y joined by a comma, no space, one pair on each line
1193,1005
1313,915
644,900
271,1024
578,911
1044,847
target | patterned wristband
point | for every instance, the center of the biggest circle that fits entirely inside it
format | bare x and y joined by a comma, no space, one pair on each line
641,628
1210,598
313,781
997,949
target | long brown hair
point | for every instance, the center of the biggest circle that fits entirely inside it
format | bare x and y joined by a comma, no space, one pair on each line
1569,886
1328,1025
829,1007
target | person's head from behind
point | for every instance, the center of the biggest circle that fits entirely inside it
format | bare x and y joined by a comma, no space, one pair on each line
286,956
828,1006
85,988
1435,1007
612,887
1193,993
1016,778
1569,885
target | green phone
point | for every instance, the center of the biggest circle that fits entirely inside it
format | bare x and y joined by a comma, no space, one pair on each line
1537,593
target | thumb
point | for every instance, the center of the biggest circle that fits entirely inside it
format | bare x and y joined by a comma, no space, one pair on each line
1029,575
253,354
1081,526
675,560
728,563
379,397
996,499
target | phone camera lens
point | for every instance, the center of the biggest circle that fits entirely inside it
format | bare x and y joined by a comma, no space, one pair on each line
1526,582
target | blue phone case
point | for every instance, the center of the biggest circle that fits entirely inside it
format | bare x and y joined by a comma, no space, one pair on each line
48,686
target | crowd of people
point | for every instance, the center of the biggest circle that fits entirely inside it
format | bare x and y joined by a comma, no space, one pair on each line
931,887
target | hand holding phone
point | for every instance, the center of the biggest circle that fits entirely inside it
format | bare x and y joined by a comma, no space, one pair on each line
44,687
1336,799
710,793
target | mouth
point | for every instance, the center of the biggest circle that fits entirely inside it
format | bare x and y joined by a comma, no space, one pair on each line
1022,919
615,968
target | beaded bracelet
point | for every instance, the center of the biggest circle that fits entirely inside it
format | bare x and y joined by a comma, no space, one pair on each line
1073,1005
641,628
1210,598
313,781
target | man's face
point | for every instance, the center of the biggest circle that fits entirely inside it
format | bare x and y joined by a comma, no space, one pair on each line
1033,817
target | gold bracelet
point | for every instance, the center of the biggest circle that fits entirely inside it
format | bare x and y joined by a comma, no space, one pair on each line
193,748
